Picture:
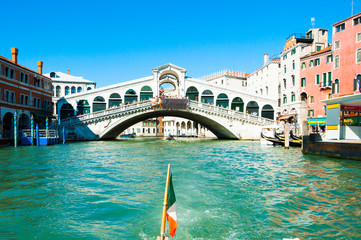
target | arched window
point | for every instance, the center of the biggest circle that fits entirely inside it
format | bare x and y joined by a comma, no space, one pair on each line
79,89
192,93
284,99
73,90
337,61
58,91
357,83
207,97
52,75
284,83
293,80
89,88
115,100
293,97
66,90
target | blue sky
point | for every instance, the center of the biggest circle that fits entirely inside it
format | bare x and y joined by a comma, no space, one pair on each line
115,41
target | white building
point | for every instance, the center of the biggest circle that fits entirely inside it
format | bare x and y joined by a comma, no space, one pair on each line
291,100
66,84
264,81
227,78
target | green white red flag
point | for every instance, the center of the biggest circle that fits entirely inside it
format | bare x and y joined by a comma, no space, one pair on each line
171,209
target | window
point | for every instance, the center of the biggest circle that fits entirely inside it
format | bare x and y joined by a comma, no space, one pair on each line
285,68
293,80
318,48
336,87
357,83
303,82
358,55
337,61
266,90
0,70
24,78
285,57
340,27
73,90
284,99
358,37
303,65
293,65
293,51
337,44
329,58
24,99
311,113
293,97
9,96
329,95
311,63
317,79
12,74
356,21
58,91
312,99
284,83
79,89
6,72
66,90
329,82
317,62
324,79
279,89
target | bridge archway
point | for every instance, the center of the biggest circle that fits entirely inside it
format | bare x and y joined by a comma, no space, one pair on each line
222,100
130,96
115,100
192,93
99,104
252,108
145,93
267,112
122,124
237,104
207,97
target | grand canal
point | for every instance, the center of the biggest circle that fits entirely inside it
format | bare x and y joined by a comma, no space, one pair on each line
224,190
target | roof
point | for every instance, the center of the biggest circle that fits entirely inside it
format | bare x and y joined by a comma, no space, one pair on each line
21,66
356,15
328,49
59,76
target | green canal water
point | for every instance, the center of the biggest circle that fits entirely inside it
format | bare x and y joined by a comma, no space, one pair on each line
224,190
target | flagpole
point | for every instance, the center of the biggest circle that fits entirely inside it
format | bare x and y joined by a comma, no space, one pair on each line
162,229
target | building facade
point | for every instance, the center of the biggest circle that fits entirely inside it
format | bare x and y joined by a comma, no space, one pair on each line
347,55
23,92
66,84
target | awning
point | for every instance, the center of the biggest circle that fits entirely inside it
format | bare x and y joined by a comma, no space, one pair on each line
285,117
42,115
317,121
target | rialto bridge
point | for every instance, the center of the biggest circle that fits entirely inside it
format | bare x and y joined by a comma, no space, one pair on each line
228,112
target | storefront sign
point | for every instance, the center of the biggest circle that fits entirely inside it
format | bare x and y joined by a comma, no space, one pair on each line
351,108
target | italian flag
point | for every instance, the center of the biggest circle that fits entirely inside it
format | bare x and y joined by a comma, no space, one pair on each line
171,209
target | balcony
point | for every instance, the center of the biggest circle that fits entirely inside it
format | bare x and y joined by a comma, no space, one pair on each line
325,86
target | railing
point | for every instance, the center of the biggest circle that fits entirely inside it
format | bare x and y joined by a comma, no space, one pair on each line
147,104
42,133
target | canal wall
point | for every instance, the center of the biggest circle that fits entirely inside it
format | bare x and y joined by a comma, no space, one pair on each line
313,144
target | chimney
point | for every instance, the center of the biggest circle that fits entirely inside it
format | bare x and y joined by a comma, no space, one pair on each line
40,67
266,58
14,52
68,72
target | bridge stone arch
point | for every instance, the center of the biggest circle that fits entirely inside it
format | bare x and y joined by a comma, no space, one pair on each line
267,112
237,104
114,100
252,108
222,100
99,104
192,93
178,81
130,96
146,92
207,97
114,129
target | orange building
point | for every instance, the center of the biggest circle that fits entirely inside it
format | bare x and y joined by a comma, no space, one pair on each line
24,92
347,55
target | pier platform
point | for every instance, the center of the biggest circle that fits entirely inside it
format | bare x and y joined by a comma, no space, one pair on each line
314,144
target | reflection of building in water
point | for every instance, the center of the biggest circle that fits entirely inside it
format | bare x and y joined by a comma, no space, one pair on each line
169,125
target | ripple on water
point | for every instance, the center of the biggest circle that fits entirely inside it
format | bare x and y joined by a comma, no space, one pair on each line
224,190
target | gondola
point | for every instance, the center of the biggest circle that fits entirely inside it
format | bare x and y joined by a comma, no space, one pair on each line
279,140
294,137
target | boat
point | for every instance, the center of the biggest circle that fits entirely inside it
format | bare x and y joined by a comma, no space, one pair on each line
131,135
170,137
294,137
280,140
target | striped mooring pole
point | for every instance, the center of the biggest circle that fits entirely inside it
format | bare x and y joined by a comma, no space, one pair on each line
15,130
47,128
32,130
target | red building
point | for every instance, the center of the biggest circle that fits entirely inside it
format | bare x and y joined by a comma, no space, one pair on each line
347,55
24,92
316,84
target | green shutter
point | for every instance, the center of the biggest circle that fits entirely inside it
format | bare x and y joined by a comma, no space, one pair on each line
317,79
